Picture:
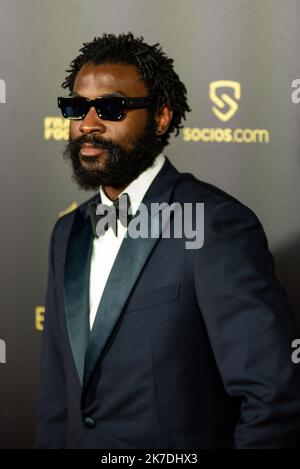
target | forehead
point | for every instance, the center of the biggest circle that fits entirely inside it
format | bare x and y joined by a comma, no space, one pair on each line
95,80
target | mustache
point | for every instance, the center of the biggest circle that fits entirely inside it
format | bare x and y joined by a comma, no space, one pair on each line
73,147
96,142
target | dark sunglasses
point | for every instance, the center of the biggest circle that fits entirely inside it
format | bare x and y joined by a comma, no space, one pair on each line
108,108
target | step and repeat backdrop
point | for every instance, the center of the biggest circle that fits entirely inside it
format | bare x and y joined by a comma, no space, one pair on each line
240,62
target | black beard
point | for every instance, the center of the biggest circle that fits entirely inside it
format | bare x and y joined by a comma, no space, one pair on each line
121,166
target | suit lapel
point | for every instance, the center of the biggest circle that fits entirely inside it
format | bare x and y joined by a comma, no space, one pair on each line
77,289
125,272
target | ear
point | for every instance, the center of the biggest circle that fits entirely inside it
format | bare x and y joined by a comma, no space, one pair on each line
163,119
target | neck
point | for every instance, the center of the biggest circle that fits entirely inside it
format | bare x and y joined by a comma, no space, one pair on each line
113,192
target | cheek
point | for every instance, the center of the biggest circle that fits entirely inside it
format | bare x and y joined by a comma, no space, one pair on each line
134,128
138,120
74,129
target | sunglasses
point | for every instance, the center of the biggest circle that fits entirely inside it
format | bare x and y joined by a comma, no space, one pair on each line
108,108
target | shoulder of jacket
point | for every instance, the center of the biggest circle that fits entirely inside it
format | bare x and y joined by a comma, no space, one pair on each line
196,190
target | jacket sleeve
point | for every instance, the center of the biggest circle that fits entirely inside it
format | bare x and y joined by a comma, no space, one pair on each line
51,411
251,327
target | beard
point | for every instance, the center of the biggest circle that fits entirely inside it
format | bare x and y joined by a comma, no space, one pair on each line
116,167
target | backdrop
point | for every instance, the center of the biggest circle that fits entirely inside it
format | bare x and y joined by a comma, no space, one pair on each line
239,60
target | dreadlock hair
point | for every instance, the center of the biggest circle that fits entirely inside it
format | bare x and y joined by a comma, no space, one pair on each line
154,67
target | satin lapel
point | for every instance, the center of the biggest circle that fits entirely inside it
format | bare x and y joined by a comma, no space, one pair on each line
77,289
125,271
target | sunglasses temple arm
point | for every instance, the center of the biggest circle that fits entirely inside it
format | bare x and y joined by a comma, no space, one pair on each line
136,103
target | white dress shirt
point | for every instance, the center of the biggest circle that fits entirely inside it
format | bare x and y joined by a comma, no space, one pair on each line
106,247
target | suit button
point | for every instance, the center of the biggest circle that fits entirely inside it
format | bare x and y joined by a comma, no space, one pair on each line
89,422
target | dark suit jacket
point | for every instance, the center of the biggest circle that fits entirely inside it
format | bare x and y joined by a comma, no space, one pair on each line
189,349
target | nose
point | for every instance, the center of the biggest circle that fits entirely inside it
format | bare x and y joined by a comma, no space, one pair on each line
92,123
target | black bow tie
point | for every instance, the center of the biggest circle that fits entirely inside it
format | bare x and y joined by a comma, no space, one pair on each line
105,216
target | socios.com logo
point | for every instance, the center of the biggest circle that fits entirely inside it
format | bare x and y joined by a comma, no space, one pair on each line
2,91
225,106
225,96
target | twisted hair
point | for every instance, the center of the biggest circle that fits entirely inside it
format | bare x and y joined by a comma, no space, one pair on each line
153,66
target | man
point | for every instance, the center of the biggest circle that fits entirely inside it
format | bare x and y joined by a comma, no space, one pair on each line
149,344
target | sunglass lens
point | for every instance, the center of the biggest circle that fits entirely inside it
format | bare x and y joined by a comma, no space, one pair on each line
110,109
74,108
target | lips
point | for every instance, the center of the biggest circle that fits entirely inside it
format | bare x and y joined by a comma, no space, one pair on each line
90,150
